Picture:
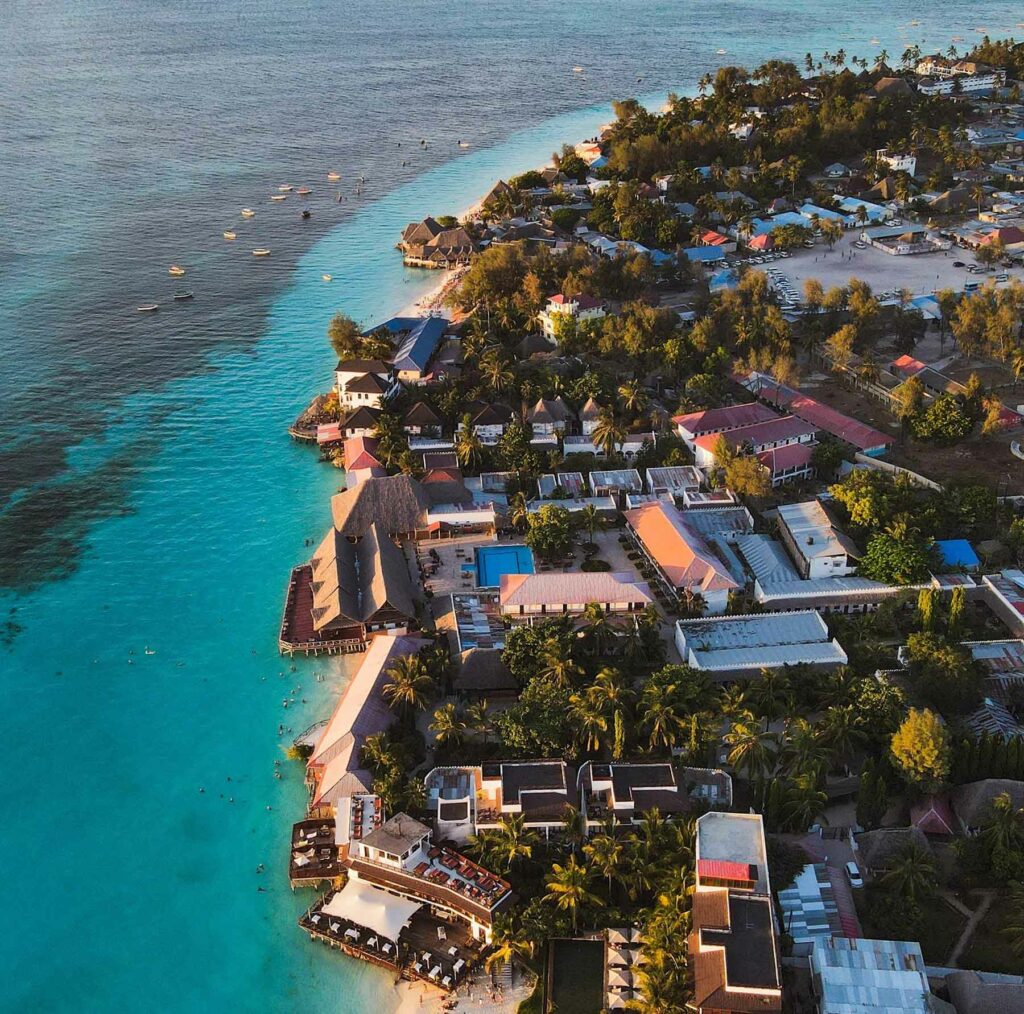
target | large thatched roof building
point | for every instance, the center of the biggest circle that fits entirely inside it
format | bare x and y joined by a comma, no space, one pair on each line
396,503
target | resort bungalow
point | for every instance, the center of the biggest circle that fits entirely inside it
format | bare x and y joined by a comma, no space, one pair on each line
816,545
739,647
733,951
428,244
421,420
590,415
364,382
717,420
529,597
360,422
581,308
488,420
548,420
397,504
684,562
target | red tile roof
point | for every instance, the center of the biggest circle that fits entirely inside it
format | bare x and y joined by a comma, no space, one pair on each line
723,869
781,459
785,427
714,420
680,552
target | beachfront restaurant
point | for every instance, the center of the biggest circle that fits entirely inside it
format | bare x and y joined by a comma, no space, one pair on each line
372,924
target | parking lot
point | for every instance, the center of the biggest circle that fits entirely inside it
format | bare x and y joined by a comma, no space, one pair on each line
919,274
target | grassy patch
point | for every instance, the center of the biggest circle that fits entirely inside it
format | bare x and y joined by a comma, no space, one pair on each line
939,930
577,976
989,950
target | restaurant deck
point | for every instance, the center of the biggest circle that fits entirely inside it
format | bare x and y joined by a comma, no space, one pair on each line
297,631
429,948
314,855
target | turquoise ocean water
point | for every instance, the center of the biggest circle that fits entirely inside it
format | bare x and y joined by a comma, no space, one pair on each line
152,504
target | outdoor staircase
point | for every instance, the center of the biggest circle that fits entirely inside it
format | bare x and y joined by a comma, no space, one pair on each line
502,976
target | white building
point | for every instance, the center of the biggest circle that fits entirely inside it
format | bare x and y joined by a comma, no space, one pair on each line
905,163
581,308
818,548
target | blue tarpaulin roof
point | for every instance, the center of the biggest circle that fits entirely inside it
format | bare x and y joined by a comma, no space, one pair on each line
707,254
957,553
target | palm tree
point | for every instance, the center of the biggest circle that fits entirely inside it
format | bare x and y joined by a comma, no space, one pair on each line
588,716
771,694
496,370
803,749
409,687
512,841
568,888
1003,829
751,748
479,719
591,520
557,665
839,731
662,719
599,632
911,874
574,826
448,725
518,512
604,852
509,942
804,803
468,445
376,754
633,396
609,432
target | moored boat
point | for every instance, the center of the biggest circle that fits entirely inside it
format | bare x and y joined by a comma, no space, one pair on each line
326,278
261,251
180,297
148,308
229,234
176,270
303,191
334,177
278,197
285,187
247,213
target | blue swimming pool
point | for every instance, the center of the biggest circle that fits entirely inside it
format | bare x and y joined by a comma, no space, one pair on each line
493,561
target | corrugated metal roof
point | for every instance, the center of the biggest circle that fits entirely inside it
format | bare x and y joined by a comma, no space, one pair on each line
767,559
754,631
728,659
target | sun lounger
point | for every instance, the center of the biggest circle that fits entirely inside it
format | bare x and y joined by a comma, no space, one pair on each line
452,951
435,971
446,982
335,927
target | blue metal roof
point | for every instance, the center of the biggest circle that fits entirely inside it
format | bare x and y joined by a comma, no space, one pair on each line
420,341
957,553
707,254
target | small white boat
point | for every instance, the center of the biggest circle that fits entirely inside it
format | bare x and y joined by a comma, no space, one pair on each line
334,177
278,197
326,278
261,251
176,271
577,70
181,297
149,308
720,52
230,235
463,144
303,191
285,187
875,42
247,213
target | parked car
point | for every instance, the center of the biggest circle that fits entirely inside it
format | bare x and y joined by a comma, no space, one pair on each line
959,264
853,874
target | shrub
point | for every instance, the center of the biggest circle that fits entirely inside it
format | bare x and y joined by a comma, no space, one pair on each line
595,564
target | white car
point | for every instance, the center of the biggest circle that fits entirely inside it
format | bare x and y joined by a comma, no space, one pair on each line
853,874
